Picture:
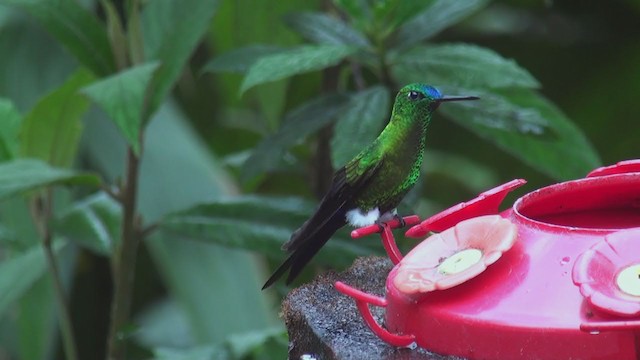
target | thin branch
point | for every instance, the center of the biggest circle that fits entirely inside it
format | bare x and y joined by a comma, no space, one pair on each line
41,213
124,261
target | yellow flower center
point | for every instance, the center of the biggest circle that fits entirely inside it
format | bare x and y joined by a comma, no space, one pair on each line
628,280
460,261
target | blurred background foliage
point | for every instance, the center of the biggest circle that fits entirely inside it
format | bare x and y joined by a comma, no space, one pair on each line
246,107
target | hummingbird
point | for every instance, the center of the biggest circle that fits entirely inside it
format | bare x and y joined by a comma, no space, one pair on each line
368,188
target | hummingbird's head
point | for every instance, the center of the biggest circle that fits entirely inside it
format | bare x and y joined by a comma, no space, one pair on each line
421,99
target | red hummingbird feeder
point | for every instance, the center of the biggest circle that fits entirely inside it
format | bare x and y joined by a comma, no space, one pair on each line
556,276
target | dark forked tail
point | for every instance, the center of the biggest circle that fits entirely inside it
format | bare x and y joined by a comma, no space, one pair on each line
308,240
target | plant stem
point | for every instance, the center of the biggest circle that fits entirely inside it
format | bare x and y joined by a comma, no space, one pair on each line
41,212
124,261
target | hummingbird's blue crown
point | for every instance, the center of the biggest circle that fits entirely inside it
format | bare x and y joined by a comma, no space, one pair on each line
431,92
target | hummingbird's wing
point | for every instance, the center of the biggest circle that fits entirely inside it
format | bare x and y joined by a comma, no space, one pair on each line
328,218
344,188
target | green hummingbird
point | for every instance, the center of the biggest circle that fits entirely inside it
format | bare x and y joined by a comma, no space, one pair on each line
368,188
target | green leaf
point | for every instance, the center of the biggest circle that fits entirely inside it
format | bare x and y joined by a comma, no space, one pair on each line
51,130
495,116
294,61
37,323
298,124
172,42
241,59
93,223
18,273
21,175
10,119
437,17
461,65
164,323
74,27
202,352
359,12
236,346
472,175
123,97
359,124
259,224
325,29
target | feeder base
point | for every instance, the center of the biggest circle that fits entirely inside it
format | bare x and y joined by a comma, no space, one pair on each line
324,324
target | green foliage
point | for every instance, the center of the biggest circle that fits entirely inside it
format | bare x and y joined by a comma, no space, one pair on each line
399,57
325,29
292,62
240,60
9,129
93,223
75,28
123,97
461,65
297,124
19,273
172,42
436,17
51,130
19,176
359,123
259,224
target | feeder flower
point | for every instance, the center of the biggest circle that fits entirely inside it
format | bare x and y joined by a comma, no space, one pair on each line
608,274
455,255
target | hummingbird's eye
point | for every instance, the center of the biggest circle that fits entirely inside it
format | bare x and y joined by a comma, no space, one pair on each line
415,95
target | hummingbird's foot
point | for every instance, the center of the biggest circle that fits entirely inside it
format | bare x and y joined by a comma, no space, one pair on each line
381,225
401,221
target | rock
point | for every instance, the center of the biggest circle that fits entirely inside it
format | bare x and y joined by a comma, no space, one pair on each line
325,324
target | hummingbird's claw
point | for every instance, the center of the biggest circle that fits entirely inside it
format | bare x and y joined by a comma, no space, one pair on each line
401,222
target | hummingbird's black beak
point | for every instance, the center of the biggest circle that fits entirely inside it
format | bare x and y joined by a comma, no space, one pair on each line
457,98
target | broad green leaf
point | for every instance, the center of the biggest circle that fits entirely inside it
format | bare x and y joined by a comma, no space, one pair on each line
437,17
512,121
21,175
10,119
472,175
325,29
243,345
51,130
164,324
460,65
258,224
240,60
295,61
172,42
202,352
74,27
123,96
93,223
298,124
249,345
18,273
392,13
359,124
218,288
37,323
